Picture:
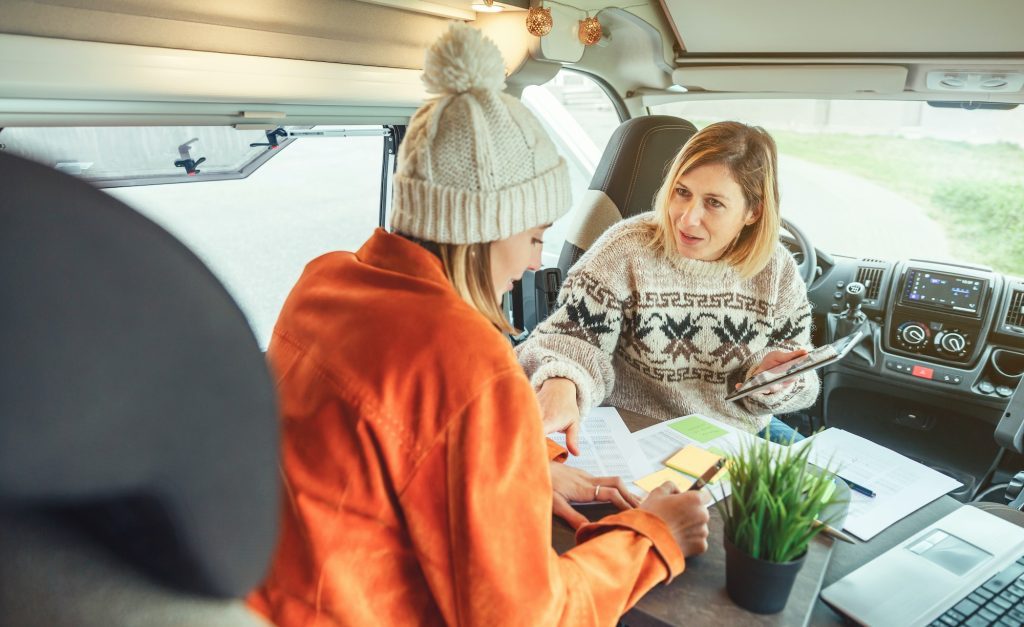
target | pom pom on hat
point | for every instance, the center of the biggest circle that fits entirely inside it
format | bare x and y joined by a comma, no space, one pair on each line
461,60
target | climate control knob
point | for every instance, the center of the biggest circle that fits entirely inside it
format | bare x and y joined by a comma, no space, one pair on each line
913,335
952,342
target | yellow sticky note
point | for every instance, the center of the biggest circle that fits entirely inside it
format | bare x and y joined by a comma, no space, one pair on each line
655,479
694,460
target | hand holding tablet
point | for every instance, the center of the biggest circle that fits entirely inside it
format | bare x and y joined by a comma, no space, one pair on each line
789,370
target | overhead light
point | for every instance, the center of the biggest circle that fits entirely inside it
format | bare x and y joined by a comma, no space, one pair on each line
953,81
946,80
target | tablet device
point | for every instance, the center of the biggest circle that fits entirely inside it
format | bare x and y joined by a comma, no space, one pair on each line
821,356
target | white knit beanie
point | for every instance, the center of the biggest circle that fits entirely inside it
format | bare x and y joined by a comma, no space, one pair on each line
475,165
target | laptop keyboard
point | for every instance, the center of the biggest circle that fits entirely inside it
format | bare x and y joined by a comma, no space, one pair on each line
998,601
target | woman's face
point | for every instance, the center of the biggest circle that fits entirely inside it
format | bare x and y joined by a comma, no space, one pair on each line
708,211
512,256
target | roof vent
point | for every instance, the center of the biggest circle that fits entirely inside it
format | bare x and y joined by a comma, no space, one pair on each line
871,278
943,80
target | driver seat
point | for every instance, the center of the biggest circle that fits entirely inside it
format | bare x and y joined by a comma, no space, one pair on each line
626,180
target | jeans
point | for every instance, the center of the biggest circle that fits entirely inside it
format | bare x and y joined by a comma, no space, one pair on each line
780,433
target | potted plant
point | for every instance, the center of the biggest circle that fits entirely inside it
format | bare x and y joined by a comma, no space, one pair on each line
770,518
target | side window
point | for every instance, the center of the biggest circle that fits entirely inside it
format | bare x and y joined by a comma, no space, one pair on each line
580,117
256,215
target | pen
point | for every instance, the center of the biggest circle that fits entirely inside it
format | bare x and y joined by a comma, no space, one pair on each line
832,531
708,475
856,487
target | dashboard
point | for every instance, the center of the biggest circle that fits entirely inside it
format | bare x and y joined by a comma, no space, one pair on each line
948,331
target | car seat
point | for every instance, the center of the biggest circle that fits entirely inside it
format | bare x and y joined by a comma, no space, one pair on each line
627,178
138,424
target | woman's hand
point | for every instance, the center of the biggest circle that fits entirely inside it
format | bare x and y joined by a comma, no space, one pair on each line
772,359
559,412
685,513
573,484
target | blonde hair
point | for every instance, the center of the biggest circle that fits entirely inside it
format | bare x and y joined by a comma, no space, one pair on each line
750,155
468,267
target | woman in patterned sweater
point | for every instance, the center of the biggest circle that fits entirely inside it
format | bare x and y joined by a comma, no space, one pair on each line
669,310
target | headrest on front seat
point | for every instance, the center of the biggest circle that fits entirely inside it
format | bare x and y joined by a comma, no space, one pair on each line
626,180
133,395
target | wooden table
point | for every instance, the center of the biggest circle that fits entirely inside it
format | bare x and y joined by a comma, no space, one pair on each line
698,597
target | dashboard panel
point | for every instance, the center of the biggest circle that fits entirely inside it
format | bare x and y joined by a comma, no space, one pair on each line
953,329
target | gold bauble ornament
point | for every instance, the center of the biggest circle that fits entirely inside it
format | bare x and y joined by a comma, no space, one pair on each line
590,31
538,21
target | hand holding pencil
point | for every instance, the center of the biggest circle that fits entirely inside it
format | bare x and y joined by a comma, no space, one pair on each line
684,513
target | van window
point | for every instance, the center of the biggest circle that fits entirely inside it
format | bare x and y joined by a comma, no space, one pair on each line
887,179
254,214
580,117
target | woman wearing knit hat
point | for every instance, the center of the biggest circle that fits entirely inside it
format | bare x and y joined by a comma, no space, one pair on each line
670,310
414,462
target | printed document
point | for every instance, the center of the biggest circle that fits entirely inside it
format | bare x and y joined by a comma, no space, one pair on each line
661,441
607,449
901,485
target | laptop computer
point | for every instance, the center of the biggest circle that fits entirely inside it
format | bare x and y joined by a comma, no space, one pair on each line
966,568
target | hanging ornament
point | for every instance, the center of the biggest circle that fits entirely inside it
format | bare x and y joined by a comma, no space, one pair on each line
590,31
538,21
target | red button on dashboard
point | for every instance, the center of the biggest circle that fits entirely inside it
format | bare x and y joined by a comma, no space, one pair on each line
921,371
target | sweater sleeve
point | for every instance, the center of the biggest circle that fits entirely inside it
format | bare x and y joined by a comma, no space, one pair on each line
577,340
791,329
497,523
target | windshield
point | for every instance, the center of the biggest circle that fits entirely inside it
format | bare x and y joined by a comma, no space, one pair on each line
893,180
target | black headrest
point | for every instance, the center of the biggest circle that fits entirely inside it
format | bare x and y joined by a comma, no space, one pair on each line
636,159
133,395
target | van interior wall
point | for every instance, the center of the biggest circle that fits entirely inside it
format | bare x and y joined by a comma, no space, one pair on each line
338,31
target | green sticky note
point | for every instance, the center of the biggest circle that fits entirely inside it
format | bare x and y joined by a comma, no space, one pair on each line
697,429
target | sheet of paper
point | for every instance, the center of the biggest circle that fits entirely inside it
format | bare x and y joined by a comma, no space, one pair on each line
661,441
901,485
607,449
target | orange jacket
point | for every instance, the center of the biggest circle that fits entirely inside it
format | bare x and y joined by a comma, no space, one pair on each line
415,467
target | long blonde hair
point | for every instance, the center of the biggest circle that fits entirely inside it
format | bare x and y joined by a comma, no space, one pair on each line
750,154
468,267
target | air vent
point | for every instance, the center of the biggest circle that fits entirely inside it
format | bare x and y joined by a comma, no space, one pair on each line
872,279
1015,315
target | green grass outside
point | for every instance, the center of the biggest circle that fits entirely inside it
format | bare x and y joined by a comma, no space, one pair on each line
976,192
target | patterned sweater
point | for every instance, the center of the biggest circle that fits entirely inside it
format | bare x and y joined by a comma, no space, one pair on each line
668,336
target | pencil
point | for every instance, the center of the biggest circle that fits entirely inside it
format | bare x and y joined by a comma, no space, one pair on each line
833,532
708,475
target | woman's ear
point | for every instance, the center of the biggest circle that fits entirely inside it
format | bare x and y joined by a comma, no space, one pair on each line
753,215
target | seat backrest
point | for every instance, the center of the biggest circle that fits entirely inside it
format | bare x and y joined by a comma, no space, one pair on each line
626,180
138,422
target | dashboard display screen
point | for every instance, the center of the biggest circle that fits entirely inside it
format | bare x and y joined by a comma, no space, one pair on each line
944,291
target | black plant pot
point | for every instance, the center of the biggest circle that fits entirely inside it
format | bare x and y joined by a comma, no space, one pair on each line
758,585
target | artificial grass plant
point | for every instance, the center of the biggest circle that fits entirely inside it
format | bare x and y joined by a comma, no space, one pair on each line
775,500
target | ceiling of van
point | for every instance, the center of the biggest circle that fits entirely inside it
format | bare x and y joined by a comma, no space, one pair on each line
865,26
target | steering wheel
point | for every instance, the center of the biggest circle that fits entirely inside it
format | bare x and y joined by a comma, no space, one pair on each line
808,258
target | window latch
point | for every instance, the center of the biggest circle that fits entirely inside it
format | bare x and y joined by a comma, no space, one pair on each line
186,161
274,138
